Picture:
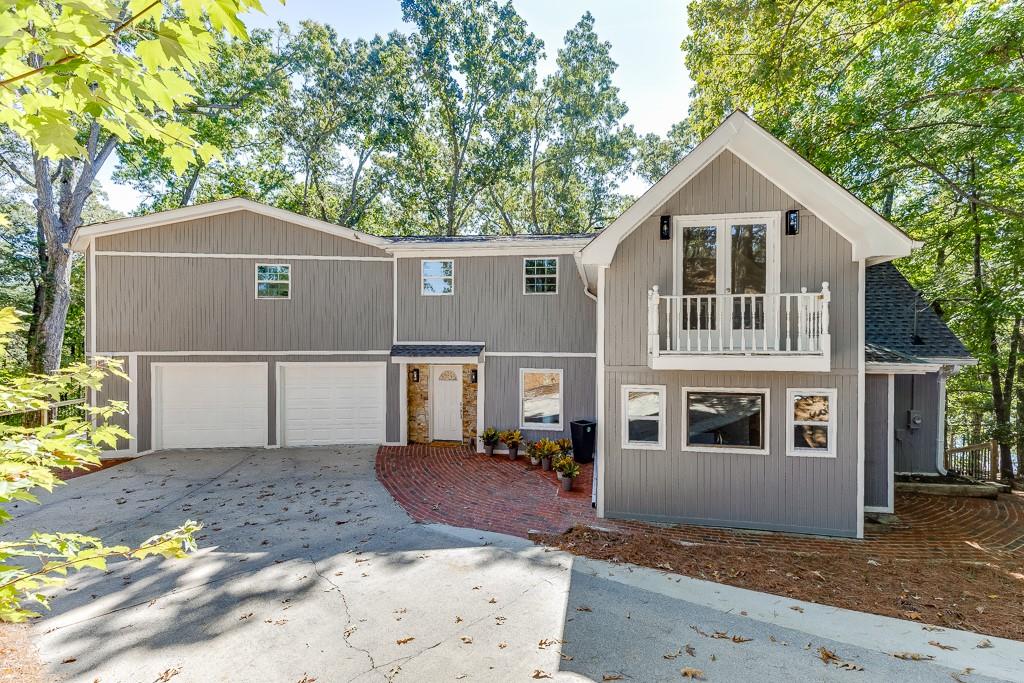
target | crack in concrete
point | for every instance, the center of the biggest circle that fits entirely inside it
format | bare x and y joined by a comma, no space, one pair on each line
345,634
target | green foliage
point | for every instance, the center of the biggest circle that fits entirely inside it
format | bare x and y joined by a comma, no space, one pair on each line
918,109
546,448
490,436
567,467
29,459
118,64
511,437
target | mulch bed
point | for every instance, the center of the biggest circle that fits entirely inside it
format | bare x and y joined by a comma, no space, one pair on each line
19,659
81,472
983,597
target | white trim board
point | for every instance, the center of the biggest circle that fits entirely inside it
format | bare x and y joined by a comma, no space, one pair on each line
662,391
377,352
558,268
87,233
792,450
494,247
539,354
543,426
270,257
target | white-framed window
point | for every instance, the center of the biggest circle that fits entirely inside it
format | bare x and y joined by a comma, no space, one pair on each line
273,281
540,275
811,423
540,399
725,420
643,417
438,277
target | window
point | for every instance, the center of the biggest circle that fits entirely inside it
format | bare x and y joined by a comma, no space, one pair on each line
273,281
733,420
438,277
643,417
540,399
810,431
540,276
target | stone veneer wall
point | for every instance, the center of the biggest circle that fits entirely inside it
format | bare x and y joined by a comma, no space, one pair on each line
419,404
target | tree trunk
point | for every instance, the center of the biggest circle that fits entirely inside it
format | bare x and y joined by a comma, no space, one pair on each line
50,312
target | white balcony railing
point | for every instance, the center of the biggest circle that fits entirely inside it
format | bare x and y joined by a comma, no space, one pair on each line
739,326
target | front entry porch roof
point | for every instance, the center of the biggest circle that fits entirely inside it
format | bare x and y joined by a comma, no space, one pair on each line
425,352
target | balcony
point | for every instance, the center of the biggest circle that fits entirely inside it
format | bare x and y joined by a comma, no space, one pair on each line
768,332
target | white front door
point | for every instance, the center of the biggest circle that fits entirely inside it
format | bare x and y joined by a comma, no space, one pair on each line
207,405
446,402
331,403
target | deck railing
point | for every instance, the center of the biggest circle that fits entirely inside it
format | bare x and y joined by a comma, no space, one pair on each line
776,324
977,460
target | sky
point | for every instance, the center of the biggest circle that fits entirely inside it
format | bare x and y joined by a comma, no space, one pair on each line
645,42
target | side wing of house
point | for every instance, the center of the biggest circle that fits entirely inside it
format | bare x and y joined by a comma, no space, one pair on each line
241,328
724,451
521,311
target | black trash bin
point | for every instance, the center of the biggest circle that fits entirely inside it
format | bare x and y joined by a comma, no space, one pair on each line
584,435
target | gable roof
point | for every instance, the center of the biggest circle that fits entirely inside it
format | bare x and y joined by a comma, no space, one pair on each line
898,320
871,236
87,233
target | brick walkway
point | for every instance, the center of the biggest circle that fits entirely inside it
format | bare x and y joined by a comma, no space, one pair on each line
459,487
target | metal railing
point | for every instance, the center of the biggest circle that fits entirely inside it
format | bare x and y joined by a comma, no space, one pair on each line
783,323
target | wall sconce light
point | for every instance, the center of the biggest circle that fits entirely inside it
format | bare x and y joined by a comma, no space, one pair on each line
472,376
666,227
415,374
793,222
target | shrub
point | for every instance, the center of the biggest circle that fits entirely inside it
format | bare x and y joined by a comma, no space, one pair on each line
511,437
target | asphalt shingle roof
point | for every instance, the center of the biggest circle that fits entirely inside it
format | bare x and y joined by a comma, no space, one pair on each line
899,323
435,350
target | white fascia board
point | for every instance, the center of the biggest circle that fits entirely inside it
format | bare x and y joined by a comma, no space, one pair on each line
87,233
870,235
955,361
900,368
497,248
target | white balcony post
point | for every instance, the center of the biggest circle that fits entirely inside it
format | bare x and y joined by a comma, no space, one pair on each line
653,344
826,296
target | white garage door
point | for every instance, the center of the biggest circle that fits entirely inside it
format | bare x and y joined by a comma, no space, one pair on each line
205,405
331,403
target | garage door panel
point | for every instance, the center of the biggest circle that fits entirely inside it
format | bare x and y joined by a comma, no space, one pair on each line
206,405
332,403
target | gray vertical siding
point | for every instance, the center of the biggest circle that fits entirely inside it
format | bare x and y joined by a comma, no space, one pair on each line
145,388
877,425
489,306
917,449
501,391
775,491
205,304
116,389
238,232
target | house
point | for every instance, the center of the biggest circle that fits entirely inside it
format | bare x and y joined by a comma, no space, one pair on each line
751,357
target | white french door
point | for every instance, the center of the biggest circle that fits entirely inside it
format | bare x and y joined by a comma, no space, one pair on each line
724,265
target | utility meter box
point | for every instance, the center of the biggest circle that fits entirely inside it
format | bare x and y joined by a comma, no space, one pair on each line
914,419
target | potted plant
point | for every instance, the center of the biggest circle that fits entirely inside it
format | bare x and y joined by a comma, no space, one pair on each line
567,469
512,438
490,437
547,450
532,453
564,446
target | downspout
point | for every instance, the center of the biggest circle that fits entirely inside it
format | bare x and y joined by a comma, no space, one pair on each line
940,439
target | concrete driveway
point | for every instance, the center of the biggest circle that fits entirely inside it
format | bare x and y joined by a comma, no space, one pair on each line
308,570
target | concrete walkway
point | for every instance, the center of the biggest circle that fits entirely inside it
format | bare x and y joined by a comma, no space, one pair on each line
310,570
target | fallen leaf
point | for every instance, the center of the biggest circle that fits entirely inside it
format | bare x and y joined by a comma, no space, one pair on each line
537,673
583,608
932,628
69,660
741,639
984,644
467,640
672,655
916,616
565,657
912,656
612,677
935,643
826,655
493,600
796,608
458,619
306,678
692,674
403,641
690,651
168,675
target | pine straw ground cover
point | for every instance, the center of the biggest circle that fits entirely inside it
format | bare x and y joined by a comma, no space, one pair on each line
985,598
19,660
